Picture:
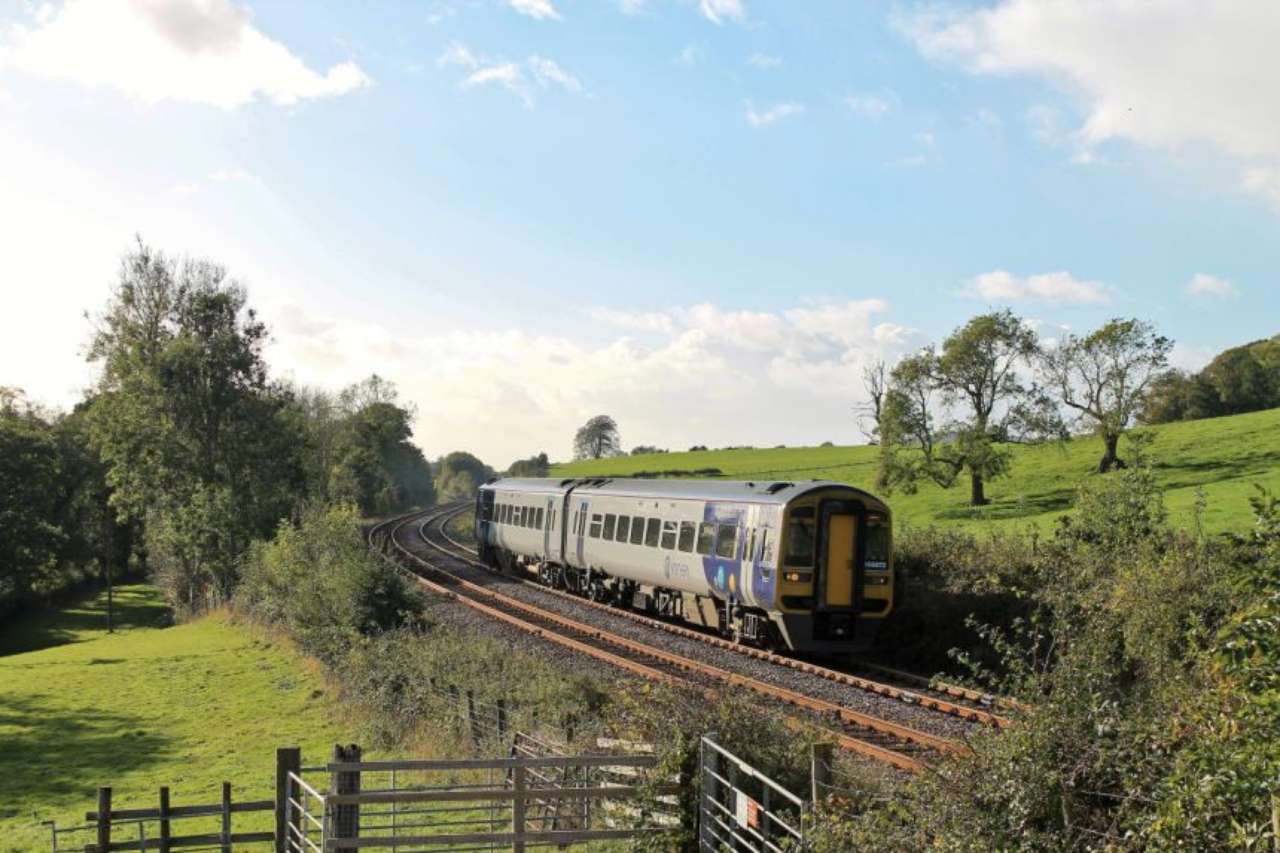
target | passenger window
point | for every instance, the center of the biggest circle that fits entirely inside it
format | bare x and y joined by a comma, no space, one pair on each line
687,534
727,544
595,526
800,534
706,537
624,527
669,535
538,518
651,531
637,530
609,521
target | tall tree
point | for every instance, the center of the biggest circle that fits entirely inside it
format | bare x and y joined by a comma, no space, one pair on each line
534,466
974,377
597,438
1104,375
194,439
459,474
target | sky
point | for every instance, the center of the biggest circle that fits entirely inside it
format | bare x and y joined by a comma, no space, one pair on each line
702,217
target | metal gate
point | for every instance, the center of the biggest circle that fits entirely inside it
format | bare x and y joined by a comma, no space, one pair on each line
742,810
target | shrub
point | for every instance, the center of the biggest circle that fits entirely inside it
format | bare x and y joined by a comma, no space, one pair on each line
320,582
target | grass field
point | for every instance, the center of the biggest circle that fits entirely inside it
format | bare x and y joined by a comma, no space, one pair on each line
1222,456
186,706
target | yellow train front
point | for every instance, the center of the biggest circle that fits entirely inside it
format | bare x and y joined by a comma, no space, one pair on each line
799,566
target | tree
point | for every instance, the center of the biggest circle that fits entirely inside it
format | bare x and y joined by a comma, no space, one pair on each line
459,475
30,469
975,377
597,438
875,379
193,437
534,466
1104,375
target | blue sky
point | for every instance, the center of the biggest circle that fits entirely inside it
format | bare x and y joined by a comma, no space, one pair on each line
702,216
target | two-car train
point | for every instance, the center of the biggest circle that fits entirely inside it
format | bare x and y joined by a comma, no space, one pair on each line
799,566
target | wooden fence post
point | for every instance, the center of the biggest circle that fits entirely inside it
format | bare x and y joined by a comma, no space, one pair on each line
346,822
473,719
517,809
164,819
820,772
104,820
288,760
226,817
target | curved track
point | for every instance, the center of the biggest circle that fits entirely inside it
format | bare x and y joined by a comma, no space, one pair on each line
937,696
883,740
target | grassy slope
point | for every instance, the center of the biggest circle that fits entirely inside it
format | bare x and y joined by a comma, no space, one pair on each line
186,706
1224,456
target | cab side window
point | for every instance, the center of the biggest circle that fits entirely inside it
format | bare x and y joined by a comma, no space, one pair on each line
687,534
727,543
706,537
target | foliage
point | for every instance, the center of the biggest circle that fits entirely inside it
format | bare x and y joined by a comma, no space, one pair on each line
597,438
534,466
194,439
55,525
976,370
1241,379
1150,664
319,581
459,474
1103,376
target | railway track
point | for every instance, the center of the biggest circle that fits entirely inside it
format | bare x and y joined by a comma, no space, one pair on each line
954,700
893,743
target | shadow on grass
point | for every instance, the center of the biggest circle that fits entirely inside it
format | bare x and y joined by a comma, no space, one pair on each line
134,607
1006,508
59,756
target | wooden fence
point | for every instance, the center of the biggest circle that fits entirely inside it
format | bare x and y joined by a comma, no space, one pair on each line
536,795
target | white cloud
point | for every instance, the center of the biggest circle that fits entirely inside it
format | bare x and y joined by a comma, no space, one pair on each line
515,77
987,120
764,60
871,106
537,9
1172,76
1052,287
690,54
717,11
196,51
773,114
546,72
631,7
696,374
457,54
1203,284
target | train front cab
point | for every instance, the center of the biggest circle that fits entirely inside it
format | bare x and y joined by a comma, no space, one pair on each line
836,574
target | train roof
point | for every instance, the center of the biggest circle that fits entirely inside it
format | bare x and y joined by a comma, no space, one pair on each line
756,491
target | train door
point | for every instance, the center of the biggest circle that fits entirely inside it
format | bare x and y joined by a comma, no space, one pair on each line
839,554
580,530
546,528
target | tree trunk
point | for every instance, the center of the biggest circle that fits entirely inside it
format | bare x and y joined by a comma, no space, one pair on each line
977,492
1110,458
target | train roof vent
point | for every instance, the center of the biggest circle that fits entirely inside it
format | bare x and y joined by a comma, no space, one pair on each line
777,487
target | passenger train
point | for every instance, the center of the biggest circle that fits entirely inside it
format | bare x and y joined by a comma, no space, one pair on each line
798,566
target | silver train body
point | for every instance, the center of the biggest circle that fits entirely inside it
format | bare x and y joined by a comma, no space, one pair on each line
801,566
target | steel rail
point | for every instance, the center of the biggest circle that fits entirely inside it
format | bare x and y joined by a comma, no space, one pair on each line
879,688
829,710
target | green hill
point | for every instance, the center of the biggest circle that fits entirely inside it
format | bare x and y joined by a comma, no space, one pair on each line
186,706
1222,456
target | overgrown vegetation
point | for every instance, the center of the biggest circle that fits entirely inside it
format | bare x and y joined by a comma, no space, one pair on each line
1150,661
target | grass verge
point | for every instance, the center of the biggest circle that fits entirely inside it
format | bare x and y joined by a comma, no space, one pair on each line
186,706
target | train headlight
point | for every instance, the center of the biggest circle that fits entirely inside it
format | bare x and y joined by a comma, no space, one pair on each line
796,577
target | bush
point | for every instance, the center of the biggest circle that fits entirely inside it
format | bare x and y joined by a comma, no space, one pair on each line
320,582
